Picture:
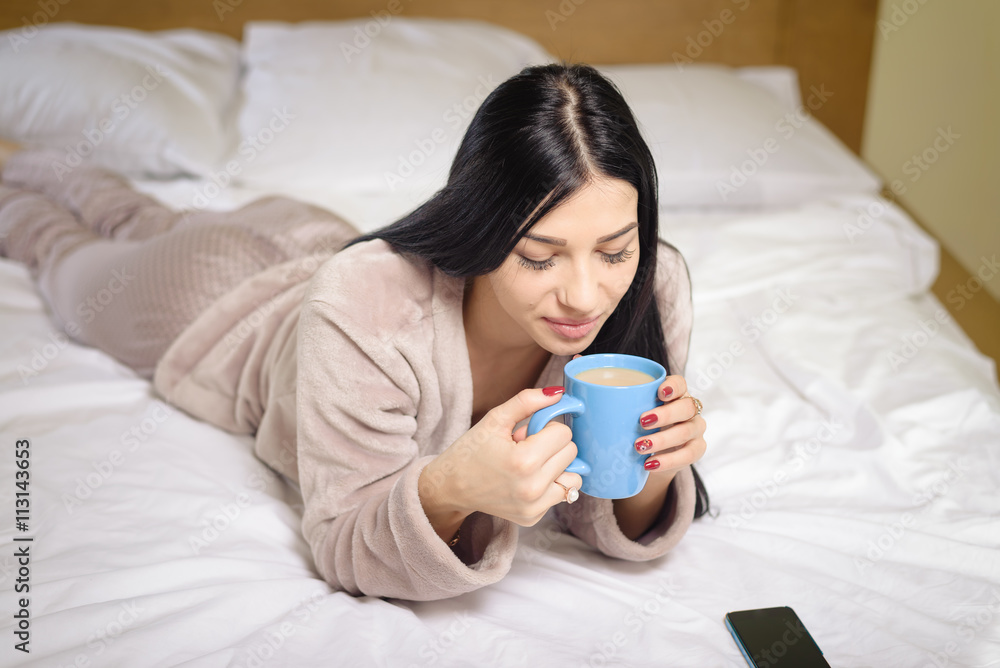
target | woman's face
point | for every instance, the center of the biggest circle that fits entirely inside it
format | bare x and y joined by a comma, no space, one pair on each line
566,276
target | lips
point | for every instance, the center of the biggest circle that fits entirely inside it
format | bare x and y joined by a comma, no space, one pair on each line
571,329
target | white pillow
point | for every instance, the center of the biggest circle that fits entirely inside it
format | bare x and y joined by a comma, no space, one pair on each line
720,139
153,104
374,105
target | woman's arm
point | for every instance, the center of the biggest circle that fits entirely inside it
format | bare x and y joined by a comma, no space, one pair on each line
375,407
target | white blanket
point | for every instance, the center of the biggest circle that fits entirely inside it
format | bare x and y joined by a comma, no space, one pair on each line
853,469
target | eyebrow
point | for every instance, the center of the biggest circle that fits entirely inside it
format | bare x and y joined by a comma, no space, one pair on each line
562,242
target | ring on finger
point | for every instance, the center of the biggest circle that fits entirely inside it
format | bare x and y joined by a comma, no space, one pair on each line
572,493
697,405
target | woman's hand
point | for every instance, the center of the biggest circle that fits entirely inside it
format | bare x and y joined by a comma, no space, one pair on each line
677,441
491,469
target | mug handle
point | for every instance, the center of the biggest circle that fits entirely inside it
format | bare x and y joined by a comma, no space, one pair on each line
568,404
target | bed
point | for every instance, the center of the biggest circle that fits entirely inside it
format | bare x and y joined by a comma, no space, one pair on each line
853,427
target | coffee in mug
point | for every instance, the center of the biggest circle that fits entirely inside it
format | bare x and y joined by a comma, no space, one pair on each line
614,375
603,414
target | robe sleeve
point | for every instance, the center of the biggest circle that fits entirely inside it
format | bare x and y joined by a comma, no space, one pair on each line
363,357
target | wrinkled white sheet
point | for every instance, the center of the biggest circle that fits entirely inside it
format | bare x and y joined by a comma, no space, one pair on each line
853,467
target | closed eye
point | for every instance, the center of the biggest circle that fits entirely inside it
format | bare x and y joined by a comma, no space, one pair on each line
537,265
621,256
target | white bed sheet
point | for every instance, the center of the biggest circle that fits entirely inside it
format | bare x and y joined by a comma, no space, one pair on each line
881,528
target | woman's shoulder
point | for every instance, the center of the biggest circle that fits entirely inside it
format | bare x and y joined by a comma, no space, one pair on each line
369,289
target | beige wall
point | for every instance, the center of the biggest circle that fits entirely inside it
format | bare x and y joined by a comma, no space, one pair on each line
932,126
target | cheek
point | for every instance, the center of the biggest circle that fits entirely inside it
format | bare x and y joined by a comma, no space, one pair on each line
518,289
621,283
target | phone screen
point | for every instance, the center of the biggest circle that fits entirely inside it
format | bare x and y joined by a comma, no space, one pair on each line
774,637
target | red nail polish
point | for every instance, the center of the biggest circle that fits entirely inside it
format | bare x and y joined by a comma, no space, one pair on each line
644,445
667,392
651,465
553,390
648,420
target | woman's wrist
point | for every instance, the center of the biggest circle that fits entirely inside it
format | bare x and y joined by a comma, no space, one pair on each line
636,514
435,498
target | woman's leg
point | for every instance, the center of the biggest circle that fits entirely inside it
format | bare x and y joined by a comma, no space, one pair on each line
129,298
101,200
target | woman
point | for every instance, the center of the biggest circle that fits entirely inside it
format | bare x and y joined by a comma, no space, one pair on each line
388,379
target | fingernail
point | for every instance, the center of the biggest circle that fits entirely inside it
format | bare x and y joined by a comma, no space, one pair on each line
648,420
651,464
667,392
553,390
644,445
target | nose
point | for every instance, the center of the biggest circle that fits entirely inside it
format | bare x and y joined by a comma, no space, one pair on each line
581,289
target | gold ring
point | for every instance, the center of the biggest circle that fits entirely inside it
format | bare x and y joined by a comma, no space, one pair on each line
572,493
697,405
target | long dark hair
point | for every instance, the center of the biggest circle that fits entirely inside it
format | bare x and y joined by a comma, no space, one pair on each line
537,139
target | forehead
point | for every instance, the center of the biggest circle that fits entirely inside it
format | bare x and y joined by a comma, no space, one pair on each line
600,207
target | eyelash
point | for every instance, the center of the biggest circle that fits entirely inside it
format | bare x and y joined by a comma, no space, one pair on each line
541,265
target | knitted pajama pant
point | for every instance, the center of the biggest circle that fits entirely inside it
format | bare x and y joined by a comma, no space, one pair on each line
125,274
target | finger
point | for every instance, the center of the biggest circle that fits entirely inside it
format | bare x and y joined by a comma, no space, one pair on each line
570,479
562,486
557,463
672,436
671,388
539,448
520,433
522,405
677,458
679,410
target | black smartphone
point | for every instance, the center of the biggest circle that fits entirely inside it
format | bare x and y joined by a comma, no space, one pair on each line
774,637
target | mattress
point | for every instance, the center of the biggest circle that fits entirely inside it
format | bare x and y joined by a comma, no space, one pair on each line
852,465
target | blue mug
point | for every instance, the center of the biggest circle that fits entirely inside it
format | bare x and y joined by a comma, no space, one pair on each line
605,423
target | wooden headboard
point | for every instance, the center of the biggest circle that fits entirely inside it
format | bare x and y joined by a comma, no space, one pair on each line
829,43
